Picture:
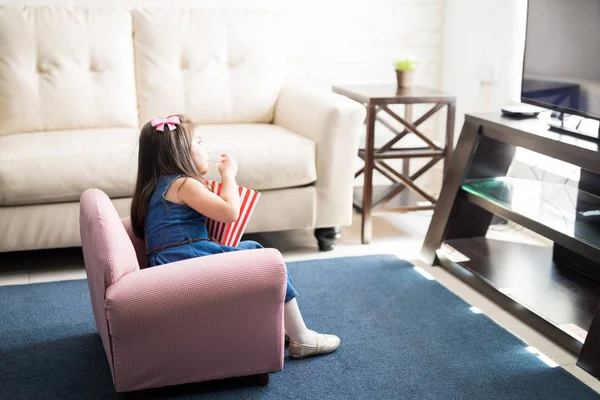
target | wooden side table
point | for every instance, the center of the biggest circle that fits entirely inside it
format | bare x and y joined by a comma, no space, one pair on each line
378,98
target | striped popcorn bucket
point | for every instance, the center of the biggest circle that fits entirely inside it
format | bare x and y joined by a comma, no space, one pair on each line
229,234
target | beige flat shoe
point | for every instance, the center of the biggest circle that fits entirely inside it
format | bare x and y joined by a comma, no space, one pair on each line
325,344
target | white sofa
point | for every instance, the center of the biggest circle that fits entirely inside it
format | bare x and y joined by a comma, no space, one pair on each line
76,84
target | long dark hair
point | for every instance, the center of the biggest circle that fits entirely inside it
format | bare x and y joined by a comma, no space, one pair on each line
160,153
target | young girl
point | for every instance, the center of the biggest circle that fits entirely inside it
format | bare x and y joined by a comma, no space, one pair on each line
171,204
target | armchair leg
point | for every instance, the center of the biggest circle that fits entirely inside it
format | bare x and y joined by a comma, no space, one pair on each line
326,237
261,379
138,395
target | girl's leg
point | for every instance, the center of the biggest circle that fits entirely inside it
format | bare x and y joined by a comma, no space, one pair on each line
290,292
294,324
248,245
303,341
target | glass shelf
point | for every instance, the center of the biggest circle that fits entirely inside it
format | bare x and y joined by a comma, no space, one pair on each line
561,207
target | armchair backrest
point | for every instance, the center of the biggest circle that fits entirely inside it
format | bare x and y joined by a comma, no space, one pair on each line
107,249
108,252
138,244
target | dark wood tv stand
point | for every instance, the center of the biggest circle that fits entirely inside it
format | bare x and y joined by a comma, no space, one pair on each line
554,289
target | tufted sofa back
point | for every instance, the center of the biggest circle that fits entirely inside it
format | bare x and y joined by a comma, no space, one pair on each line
215,65
78,68
64,68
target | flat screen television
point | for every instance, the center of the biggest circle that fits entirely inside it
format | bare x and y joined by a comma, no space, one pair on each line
561,67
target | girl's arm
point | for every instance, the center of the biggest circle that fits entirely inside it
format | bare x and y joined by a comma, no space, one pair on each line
229,193
224,208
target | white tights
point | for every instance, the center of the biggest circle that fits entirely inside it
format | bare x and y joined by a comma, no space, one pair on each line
295,326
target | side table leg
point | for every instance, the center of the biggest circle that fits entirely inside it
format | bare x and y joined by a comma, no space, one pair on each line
408,115
366,228
450,115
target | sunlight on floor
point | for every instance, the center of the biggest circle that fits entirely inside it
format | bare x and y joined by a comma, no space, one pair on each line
400,234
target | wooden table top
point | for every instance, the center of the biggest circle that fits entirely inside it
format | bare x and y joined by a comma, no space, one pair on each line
388,94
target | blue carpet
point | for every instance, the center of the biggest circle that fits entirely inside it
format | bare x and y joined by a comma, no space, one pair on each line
403,337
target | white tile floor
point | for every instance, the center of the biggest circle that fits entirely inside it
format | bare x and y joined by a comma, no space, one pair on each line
400,234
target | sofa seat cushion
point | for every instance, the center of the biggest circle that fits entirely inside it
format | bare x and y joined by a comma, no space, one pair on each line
269,156
58,166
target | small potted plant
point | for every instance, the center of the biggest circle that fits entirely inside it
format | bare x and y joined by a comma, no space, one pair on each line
405,70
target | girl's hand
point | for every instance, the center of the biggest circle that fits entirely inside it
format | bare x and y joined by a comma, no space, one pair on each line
228,167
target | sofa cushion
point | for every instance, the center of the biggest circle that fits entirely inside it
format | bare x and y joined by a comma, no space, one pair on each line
269,157
215,65
48,167
65,68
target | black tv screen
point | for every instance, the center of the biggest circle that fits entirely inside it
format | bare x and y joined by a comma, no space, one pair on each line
561,68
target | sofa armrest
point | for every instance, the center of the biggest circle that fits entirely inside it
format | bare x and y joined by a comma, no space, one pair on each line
334,123
225,310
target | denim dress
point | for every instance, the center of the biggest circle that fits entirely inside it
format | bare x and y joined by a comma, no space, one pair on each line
176,232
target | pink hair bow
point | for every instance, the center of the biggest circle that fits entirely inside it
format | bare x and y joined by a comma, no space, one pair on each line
159,123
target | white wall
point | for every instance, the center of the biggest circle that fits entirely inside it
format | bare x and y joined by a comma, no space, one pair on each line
483,39
339,41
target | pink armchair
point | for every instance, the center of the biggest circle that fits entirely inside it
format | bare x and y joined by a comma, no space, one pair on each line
196,320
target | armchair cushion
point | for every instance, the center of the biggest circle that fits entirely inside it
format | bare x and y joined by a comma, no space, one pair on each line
138,244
